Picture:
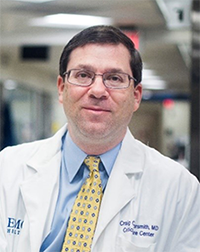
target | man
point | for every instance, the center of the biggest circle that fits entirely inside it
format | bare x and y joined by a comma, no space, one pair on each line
143,200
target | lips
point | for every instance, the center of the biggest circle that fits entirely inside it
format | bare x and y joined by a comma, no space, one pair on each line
96,109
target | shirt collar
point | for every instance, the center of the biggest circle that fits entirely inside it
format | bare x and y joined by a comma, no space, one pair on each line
74,157
108,158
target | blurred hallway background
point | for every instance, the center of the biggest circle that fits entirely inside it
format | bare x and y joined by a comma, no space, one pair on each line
166,32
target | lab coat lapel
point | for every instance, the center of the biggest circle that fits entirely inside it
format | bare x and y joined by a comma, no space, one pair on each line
120,191
40,191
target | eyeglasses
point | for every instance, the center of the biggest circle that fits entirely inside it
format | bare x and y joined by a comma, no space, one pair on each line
113,80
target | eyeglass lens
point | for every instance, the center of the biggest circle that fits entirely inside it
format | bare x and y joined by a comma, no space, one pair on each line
86,78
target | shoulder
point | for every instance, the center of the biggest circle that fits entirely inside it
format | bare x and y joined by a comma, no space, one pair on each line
166,171
22,151
156,166
19,155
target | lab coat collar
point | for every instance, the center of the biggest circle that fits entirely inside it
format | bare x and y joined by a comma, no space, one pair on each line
40,190
120,190
131,154
47,150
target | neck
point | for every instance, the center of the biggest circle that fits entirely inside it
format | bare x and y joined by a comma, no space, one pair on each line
98,145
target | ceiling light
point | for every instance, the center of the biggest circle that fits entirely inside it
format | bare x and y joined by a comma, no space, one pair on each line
10,85
151,81
70,20
148,72
34,1
154,84
150,77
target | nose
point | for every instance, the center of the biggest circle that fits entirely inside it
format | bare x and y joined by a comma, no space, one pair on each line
98,89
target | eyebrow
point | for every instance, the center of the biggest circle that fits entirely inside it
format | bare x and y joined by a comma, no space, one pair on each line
91,68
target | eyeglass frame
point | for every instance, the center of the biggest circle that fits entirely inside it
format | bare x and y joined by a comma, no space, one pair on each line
103,80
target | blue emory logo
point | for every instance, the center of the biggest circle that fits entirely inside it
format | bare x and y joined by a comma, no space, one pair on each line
14,226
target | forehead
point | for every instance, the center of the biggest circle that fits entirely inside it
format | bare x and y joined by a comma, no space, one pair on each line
100,56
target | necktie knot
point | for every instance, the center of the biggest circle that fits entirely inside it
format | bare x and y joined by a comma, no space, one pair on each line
92,163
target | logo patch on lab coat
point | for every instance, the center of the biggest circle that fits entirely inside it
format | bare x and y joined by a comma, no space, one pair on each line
14,226
140,230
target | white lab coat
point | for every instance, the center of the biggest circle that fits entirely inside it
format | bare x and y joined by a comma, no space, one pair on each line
150,203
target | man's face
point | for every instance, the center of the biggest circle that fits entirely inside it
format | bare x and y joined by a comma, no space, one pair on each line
96,111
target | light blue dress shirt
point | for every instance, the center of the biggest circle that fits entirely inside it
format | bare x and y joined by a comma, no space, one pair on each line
73,173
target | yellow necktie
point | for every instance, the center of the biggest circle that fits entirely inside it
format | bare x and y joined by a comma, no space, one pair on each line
84,215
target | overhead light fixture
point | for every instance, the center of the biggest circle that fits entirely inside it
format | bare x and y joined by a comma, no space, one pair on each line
62,20
147,71
154,84
151,81
34,1
10,84
146,78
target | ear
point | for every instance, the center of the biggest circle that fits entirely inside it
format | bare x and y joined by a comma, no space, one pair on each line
60,86
137,96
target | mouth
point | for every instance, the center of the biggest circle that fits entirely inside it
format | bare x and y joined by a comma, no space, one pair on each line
96,109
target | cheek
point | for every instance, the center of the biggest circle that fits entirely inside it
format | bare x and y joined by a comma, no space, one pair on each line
72,95
125,103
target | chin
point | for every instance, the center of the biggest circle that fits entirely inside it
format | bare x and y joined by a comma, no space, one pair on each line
95,132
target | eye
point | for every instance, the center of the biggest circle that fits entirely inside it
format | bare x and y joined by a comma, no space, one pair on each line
114,78
83,74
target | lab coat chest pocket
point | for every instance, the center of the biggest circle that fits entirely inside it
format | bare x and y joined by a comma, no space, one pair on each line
123,245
